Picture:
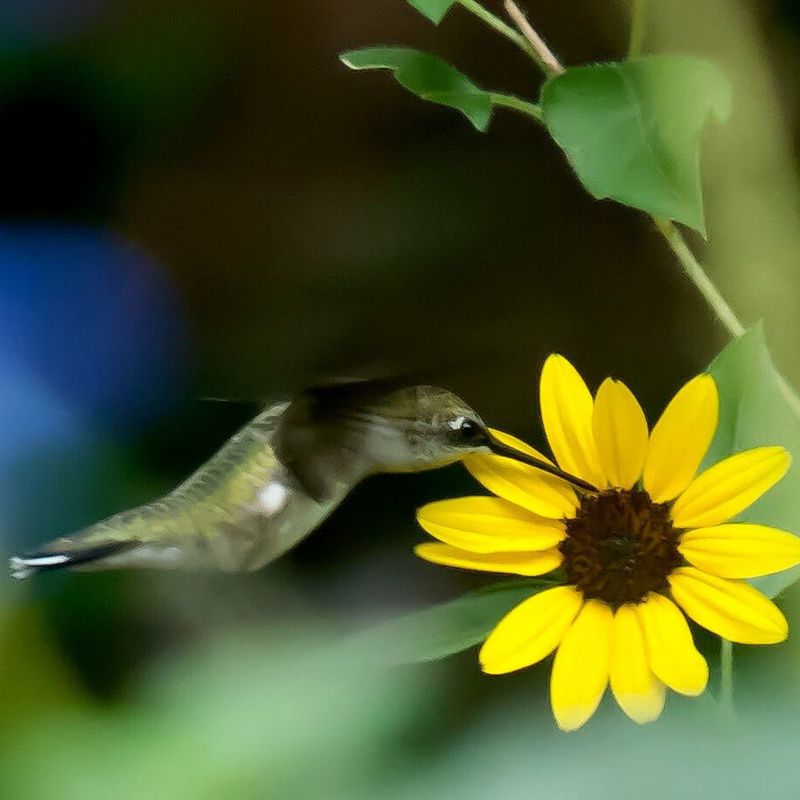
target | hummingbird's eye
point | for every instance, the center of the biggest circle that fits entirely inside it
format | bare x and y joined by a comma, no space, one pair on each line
468,427
467,430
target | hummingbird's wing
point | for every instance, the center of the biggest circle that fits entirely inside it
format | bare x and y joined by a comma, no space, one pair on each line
318,438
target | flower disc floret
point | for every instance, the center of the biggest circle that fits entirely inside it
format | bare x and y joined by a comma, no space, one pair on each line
619,547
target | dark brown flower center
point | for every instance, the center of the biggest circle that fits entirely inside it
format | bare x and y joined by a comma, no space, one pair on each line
620,546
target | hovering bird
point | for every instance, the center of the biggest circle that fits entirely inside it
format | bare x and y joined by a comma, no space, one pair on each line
279,477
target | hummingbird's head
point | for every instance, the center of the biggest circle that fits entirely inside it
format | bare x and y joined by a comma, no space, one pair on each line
425,427
431,427
436,426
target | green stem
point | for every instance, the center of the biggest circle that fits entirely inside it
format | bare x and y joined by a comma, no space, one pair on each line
503,29
719,305
699,277
637,29
726,677
516,103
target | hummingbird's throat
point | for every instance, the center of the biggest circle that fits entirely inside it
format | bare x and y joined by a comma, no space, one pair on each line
620,546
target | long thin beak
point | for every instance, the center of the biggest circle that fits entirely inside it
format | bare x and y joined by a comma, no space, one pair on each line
501,449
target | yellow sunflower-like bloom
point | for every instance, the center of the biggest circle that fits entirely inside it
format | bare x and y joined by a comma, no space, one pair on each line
652,544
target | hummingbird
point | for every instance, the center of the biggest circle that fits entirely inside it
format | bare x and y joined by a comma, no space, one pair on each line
279,477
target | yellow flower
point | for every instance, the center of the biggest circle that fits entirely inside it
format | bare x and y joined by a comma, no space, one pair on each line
652,544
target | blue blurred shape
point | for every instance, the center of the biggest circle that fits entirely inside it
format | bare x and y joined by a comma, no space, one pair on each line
31,416
91,321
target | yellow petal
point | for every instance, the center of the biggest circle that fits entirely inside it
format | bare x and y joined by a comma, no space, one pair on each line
670,649
567,406
581,666
522,485
740,550
730,486
530,631
489,525
537,563
731,609
620,431
637,690
681,438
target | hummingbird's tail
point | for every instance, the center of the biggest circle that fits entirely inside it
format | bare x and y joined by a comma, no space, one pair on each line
63,554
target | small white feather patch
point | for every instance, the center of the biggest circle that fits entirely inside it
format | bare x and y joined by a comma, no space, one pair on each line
273,497
44,561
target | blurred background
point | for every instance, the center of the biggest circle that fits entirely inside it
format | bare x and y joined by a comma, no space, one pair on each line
199,201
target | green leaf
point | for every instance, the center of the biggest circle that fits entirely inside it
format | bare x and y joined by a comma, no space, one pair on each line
754,412
434,10
447,628
428,77
631,130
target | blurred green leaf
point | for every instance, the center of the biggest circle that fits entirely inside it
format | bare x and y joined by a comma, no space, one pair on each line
754,412
428,77
631,131
434,10
277,713
35,677
450,627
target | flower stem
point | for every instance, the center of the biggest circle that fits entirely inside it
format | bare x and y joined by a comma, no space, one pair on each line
699,277
719,305
637,29
726,677
518,104
502,28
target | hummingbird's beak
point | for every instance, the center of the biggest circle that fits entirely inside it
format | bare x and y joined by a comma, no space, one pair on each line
499,448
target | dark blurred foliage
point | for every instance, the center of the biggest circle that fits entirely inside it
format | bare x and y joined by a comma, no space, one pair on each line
200,200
